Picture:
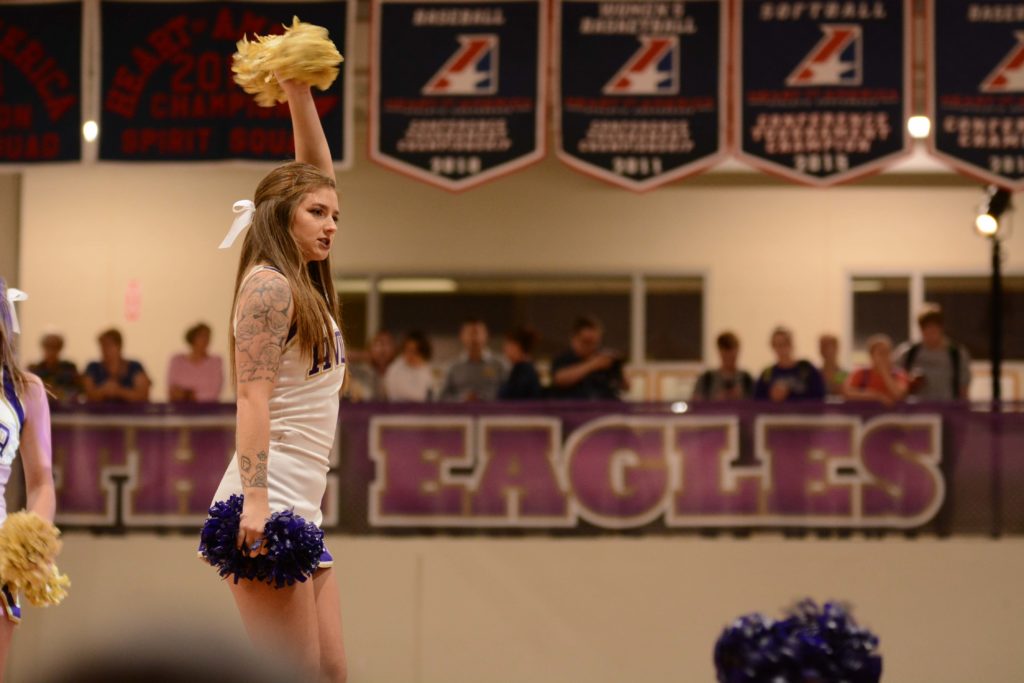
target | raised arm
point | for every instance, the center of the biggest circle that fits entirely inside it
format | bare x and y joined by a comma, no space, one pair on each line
310,142
36,451
263,316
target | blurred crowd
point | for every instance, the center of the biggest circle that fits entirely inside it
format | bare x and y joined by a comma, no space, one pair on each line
935,368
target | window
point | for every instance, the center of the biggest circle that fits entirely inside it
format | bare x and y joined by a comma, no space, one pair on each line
881,305
437,306
967,312
674,318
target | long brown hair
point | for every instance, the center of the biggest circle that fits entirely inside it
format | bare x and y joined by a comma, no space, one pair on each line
8,361
269,241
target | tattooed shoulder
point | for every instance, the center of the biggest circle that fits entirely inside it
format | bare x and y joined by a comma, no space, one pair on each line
263,317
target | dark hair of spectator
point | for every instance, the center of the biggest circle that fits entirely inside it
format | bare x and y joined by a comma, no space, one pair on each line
931,315
585,322
422,343
727,341
525,337
473,320
781,331
195,331
112,335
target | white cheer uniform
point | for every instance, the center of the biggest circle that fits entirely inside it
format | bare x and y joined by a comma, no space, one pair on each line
12,419
303,420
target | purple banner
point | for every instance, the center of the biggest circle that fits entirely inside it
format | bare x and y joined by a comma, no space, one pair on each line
574,468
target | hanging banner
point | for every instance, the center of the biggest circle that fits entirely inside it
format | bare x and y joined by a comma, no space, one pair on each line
641,88
457,89
976,88
168,92
40,82
823,89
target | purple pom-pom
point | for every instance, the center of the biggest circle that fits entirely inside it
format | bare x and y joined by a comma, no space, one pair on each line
294,546
812,645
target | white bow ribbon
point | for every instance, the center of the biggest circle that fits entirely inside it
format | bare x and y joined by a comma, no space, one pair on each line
14,295
245,209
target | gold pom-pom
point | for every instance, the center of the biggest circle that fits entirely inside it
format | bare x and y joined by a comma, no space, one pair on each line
28,547
304,53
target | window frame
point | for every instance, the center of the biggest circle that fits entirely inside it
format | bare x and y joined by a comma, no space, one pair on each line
637,297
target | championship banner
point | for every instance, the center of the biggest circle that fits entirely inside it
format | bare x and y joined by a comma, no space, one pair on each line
641,88
823,89
572,468
40,82
457,89
976,88
168,92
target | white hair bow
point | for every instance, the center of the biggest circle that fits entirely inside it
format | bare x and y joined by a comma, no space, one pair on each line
245,209
14,295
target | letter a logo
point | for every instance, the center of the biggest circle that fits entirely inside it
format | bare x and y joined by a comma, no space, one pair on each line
1009,75
472,70
837,59
652,70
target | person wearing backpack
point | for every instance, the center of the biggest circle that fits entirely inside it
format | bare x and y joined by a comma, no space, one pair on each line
939,368
728,382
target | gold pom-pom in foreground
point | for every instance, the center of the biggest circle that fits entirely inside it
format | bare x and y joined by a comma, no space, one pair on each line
28,547
304,53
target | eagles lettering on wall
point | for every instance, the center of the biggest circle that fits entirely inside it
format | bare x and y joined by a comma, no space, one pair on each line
643,92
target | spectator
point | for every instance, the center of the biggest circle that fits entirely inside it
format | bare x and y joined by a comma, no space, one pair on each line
196,376
789,379
939,368
60,376
410,377
728,382
112,378
523,382
881,381
369,371
835,376
586,371
477,375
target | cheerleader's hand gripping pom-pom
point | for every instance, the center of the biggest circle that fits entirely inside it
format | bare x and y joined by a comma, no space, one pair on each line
294,546
304,53
28,548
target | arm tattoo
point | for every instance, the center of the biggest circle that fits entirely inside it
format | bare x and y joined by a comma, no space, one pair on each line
254,475
264,313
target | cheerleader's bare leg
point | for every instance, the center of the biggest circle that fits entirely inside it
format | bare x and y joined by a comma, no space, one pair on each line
333,664
6,633
281,621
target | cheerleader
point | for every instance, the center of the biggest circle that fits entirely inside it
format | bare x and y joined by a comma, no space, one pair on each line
289,362
28,540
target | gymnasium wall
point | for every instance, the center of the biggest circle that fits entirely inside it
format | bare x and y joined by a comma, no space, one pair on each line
770,252
472,610
10,200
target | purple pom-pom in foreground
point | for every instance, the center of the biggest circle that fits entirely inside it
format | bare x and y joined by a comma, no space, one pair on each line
294,546
812,645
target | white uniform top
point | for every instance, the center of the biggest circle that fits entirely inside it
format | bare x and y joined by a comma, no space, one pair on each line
303,420
12,419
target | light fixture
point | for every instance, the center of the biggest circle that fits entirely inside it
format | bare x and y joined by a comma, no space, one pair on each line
679,407
919,127
988,221
90,131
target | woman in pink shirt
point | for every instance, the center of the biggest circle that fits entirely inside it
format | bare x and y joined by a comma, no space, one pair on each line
196,376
